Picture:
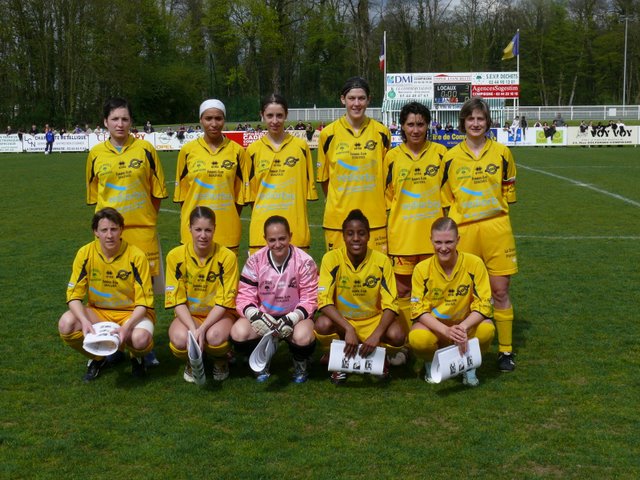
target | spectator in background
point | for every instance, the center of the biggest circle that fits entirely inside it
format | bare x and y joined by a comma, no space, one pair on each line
448,128
583,126
9,131
523,126
78,130
34,130
50,137
239,127
320,127
537,124
181,132
148,128
300,125
559,121
310,131
87,130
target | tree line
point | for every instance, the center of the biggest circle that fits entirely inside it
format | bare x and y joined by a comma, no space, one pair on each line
60,59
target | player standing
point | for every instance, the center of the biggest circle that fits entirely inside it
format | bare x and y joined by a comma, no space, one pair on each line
413,189
351,167
451,300
201,287
357,295
212,171
479,184
281,179
114,276
125,173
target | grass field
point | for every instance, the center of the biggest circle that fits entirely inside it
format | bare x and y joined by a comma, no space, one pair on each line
570,410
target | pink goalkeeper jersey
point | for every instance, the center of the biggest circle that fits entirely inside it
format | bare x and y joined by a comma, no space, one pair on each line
279,290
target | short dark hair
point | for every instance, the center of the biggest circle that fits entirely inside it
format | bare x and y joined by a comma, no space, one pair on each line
355,82
474,103
274,98
202,212
356,215
417,109
113,103
275,220
108,213
444,224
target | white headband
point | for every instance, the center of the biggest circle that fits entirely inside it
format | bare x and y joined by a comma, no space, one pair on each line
213,103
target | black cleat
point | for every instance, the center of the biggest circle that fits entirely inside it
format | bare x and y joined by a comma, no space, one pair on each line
506,361
138,369
93,369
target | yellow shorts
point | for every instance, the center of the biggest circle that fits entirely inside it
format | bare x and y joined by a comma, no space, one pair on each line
405,264
121,316
146,239
377,240
491,240
365,327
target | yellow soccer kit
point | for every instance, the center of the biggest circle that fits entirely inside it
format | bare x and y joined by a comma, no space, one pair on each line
450,299
128,181
478,188
358,293
281,181
215,180
201,285
116,285
355,168
413,191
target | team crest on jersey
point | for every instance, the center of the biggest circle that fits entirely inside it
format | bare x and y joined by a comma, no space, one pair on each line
462,290
291,161
371,281
491,168
371,145
293,283
263,164
431,170
436,293
123,274
135,163
268,285
463,172
403,173
212,277
342,147
227,165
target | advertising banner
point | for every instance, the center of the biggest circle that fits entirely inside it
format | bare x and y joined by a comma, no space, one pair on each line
10,144
67,143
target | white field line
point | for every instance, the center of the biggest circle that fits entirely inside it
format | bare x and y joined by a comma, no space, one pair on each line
582,184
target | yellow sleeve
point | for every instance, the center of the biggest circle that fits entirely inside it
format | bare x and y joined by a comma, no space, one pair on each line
175,289
323,161
78,283
157,181
419,302
481,302
143,286
329,269
388,290
91,181
509,177
312,193
181,184
226,296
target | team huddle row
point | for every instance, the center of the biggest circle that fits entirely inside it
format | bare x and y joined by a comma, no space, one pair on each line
381,282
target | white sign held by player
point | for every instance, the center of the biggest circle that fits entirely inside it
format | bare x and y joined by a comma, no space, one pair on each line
447,362
338,362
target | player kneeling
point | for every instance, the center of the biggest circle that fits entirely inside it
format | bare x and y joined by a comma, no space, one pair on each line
357,296
114,276
201,281
451,300
277,295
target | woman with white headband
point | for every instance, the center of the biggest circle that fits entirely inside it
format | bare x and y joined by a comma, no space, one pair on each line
211,172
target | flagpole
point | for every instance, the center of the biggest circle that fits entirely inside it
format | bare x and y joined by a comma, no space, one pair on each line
518,69
384,72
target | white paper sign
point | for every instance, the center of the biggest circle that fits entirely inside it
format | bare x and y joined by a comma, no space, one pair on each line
447,362
195,360
103,342
338,362
261,355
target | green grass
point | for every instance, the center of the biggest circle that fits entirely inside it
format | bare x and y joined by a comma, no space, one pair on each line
570,410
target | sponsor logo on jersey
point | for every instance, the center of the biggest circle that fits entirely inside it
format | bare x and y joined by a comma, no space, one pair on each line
437,293
123,274
371,145
212,276
291,161
431,170
371,281
462,290
227,165
342,147
491,168
463,172
135,163
293,283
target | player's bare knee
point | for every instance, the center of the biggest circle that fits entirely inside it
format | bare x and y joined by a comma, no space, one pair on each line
324,325
68,323
140,338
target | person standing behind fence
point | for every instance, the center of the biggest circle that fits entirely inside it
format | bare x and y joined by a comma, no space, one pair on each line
413,189
125,173
351,167
478,186
281,179
212,171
